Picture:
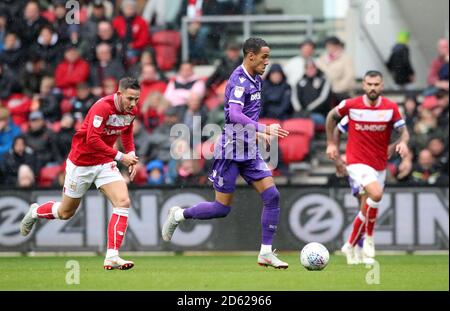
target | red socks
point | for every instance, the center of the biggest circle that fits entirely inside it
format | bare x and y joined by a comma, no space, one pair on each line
358,229
47,210
117,228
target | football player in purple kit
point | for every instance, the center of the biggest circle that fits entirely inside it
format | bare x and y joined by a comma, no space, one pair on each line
236,153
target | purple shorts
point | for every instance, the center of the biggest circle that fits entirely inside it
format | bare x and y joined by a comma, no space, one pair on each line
224,173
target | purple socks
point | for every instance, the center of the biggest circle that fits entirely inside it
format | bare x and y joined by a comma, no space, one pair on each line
207,210
270,214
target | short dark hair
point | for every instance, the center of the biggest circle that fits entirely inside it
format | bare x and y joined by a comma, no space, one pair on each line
373,73
129,83
253,45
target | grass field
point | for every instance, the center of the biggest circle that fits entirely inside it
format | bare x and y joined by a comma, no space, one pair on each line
397,272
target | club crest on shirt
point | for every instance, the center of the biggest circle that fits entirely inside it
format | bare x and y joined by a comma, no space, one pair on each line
239,91
97,121
241,79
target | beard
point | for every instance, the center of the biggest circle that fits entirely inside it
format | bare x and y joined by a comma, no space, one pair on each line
373,95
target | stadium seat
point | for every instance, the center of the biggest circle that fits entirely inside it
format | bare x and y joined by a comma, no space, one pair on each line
65,106
48,174
141,176
299,126
166,44
294,148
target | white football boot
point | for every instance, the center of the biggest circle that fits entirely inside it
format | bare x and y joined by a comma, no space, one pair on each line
271,260
28,221
349,253
170,224
358,254
117,263
369,247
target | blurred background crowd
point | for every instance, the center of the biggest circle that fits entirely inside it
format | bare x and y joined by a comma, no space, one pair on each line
52,72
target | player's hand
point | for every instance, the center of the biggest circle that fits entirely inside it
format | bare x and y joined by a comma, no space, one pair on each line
402,149
129,159
132,170
332,151
341,169
276,130
265,139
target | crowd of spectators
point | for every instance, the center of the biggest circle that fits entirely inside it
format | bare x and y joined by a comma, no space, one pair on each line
52,72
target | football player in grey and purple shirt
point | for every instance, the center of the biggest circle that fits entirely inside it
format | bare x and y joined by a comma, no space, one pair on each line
236,153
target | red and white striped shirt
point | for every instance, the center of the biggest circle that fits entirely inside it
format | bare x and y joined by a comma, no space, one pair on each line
369,130
93,143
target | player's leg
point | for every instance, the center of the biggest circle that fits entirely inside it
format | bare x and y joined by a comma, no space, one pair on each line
223,176
261,179
76,183
375,193
110,182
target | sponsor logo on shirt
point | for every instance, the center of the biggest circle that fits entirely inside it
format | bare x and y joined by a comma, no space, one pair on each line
97,121
370,127
119,120
112,131
256,96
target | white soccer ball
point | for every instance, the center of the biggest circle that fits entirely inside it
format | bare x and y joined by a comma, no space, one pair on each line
314,256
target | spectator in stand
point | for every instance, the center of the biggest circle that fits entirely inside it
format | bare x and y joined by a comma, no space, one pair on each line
4,18
294,69
32,74
150,83
225,66
48,47
12,54
98,14
314,93
8,82
25,177
185,81
60,24
19,154
338,68
155,170
442,82
399,62
83,100
410,111
41,139
141,141
105,67
110,86
194,115
71,71
437,63
425,171
276,95
48,100
63,138
153,110
132,29
106,34
439,150
31,25
8,131
147,58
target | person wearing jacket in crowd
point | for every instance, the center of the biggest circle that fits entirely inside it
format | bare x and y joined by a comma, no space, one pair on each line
276,95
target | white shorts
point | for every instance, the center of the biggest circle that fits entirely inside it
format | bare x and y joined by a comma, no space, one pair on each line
363,175
79,178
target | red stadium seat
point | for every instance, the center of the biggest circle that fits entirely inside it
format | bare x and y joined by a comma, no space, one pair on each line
141,176
299,126
294,148
65,106
48,174
166,44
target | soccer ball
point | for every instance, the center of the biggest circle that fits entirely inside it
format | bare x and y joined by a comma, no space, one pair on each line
314,256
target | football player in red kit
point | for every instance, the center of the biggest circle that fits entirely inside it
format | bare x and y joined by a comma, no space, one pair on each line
92,159
371,119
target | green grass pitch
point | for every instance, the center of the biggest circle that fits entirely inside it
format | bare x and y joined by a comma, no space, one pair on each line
232,272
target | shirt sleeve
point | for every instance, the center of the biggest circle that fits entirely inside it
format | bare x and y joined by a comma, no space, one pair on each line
342,109
397,119
97,118
343,125
237,94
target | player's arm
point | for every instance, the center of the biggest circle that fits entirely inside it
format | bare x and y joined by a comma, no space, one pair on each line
333,118
128,145
342,127
401,144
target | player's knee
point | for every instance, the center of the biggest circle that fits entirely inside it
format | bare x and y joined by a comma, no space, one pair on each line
376,196
222,210
123,202
65,215
271,197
